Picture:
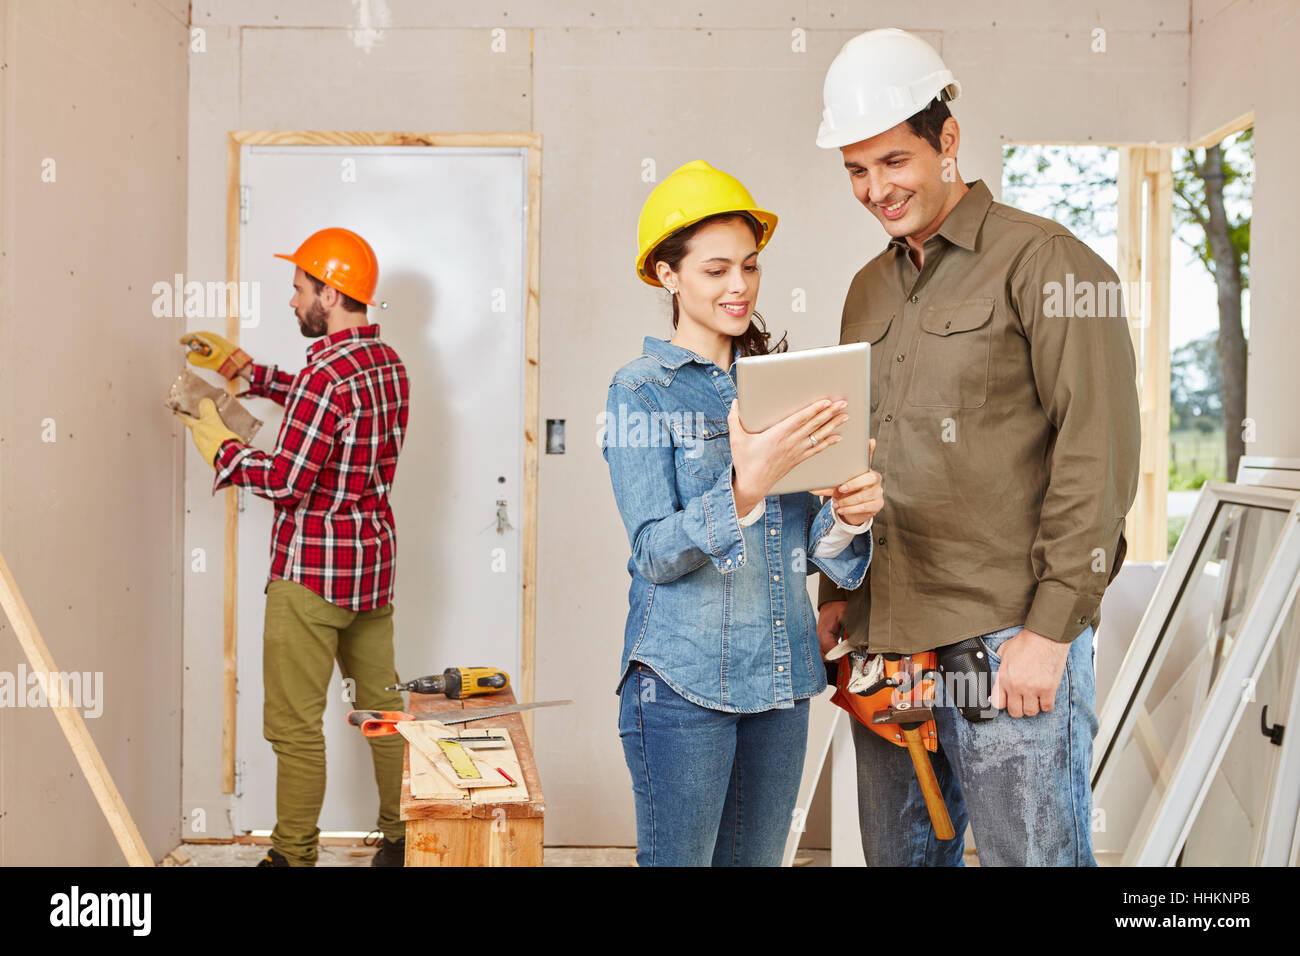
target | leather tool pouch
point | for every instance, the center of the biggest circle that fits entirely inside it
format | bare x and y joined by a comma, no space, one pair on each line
968,676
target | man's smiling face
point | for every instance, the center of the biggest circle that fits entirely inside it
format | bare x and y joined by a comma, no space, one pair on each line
903,180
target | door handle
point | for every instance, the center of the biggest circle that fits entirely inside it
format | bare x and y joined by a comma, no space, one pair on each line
1274,733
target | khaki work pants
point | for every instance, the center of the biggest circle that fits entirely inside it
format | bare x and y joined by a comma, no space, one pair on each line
304,635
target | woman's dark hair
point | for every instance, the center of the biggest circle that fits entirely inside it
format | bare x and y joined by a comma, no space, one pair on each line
755,339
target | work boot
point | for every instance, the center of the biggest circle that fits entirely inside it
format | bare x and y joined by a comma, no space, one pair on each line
273,858
390,853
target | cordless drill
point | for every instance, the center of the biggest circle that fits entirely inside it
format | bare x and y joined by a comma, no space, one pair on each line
458,682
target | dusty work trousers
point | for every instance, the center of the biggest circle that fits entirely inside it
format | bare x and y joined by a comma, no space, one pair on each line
304,636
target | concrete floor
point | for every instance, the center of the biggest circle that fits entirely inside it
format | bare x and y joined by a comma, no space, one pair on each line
248,854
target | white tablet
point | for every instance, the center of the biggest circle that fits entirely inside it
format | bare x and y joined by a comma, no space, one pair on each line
772,387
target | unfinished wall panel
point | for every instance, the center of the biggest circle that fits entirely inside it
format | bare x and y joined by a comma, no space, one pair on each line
417,80
1038,82
93,215
384,15
204,805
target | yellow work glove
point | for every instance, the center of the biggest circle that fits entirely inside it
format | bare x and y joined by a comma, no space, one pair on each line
208,430
209,350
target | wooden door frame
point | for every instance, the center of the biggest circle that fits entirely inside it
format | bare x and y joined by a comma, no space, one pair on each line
532,142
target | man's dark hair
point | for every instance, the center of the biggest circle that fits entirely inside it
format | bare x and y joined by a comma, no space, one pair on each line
928,123
349,304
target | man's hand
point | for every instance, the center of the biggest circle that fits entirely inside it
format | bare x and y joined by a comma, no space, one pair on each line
208,430
1029,674
860,498
829,618
209,350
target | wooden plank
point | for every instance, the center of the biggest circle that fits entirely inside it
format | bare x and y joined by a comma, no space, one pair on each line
316,137
423,737
498,759
470,842
1159,238
1128,246
1231,128
480,830
425,782
414,808
230,605
73,725
532,427
1143,242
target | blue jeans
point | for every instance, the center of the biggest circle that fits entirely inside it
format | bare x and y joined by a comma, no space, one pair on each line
1021,782
711,787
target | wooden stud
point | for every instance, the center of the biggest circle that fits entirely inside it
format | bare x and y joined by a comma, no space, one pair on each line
532,428
1155,351
1218,135
230,595
1143,239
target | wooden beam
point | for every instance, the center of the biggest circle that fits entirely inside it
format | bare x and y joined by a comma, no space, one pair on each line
1155,350
1230,128
1128,265
532,427
230,594
72,724
313,137
1144,235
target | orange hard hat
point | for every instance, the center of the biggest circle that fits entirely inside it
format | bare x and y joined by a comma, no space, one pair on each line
339,258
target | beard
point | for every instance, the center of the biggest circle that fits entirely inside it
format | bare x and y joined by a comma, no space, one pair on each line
315,323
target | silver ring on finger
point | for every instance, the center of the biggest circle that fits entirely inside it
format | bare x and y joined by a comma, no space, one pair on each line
812,440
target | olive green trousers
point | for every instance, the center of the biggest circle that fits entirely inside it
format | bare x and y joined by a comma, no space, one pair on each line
304,635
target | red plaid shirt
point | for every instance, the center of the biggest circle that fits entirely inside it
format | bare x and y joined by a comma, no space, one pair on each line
332,468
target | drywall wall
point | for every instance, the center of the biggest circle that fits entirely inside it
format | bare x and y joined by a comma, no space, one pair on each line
617,90
1241,58
92,187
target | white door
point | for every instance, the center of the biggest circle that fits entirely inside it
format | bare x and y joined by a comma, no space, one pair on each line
447,225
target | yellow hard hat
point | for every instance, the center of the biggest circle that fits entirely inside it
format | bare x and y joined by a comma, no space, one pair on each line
693,192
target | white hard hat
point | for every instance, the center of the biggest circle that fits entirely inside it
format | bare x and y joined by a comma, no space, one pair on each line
877,80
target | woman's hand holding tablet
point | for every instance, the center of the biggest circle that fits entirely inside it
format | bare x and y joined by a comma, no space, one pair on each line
760,459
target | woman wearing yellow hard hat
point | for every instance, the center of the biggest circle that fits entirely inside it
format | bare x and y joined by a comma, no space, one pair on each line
720,653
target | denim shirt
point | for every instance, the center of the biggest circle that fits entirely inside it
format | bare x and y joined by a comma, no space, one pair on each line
720,611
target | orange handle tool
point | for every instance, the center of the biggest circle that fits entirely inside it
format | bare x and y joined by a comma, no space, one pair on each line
382,723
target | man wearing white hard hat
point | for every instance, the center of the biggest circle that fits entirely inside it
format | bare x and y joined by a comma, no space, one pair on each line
1005,412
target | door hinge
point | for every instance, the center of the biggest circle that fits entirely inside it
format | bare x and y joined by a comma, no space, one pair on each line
243,203
242,499
239,777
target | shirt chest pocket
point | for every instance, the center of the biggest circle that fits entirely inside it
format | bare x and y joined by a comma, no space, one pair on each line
702,453
952,355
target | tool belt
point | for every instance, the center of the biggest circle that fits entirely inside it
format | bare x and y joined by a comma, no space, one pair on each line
964,667
904,680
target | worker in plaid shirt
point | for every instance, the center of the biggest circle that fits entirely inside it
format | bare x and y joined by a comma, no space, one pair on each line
333,543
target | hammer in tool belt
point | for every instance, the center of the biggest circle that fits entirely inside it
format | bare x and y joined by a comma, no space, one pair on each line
909,715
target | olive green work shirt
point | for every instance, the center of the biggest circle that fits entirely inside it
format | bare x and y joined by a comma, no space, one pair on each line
1005,411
